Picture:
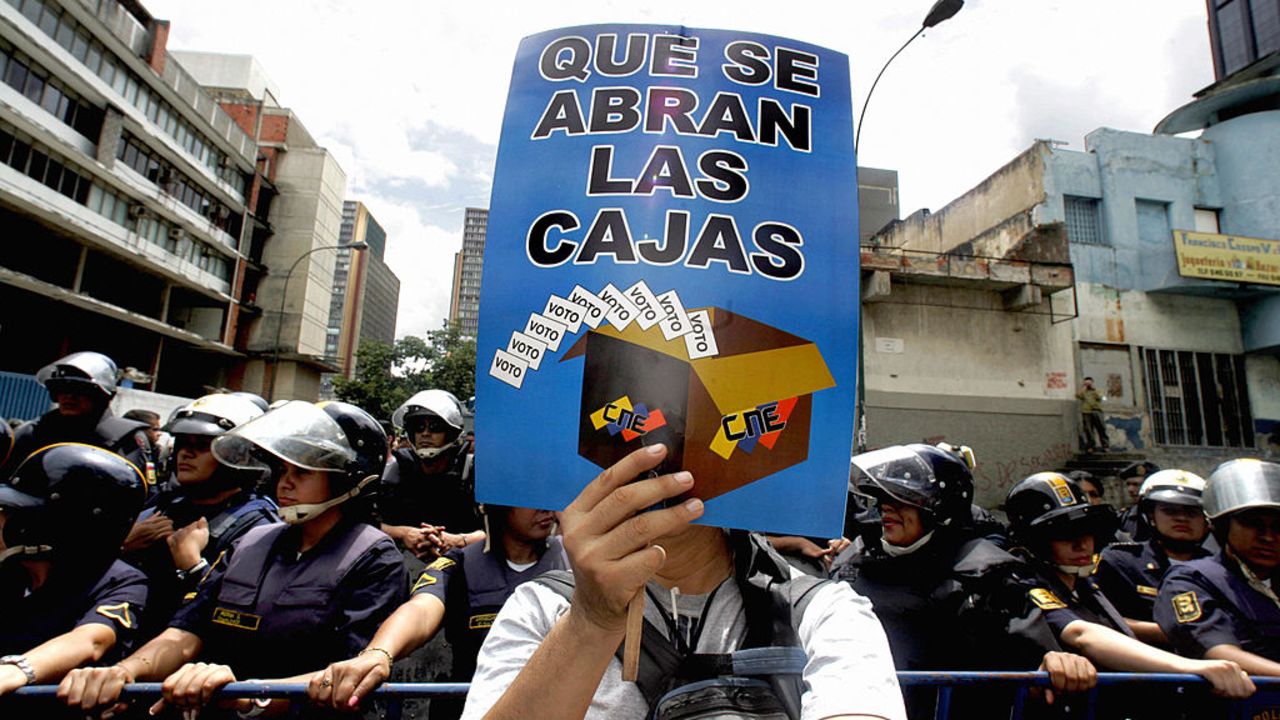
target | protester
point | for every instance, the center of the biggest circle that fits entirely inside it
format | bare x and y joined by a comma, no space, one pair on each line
948,599
549,657
1130,574
1092,418
1056,529
65,598
82,384
1225,607
207,508
290,597
463,592
427,504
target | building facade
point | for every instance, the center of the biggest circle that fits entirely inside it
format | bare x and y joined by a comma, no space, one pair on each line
366,293
293,248
464,303
125,195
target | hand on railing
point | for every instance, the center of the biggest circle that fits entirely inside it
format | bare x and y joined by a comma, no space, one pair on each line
1068,673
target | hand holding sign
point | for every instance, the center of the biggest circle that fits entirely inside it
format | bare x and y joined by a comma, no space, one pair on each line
610,544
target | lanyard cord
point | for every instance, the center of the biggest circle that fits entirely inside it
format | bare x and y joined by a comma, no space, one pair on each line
685,645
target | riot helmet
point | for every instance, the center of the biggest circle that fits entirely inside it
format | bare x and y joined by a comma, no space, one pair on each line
332,437
73,501
930,478
1241,484
1050,505
91,373
254,398
1176,487
208,417
439,407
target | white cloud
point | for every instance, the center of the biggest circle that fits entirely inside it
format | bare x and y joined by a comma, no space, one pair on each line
409,95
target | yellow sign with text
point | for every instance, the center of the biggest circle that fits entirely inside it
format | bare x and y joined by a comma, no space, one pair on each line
1227,257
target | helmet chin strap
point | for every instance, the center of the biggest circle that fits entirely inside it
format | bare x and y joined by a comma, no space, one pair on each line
430,453
25,550
1080,571
298,514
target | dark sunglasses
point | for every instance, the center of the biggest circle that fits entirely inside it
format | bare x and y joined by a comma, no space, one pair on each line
431,424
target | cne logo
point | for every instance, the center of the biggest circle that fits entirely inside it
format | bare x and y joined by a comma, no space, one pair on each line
631,421
761,425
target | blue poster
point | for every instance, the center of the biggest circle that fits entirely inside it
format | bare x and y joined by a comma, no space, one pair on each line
672,257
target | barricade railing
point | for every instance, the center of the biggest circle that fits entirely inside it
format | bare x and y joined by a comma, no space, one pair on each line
1267,699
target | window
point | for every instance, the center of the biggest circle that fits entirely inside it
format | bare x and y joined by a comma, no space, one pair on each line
1207,221
1084,220
1198,398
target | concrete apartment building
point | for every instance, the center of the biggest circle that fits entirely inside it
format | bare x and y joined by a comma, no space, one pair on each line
1163,252
366,293
124,194
294,252
464,303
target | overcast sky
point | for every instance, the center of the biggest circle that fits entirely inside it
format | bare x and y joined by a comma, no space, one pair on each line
408,94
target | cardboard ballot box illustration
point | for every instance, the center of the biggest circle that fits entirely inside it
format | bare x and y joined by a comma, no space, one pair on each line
730,419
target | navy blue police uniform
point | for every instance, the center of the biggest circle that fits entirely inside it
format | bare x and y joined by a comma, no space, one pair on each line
116,598
127,438
1130,574
228,521
268,610
1214,601
473,585
409,496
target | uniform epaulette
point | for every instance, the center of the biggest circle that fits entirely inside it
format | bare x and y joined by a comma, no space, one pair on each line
1127,546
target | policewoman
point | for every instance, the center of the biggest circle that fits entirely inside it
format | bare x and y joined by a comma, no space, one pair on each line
1225,606
463,591
209,505
289,597
1055,529
948,599
1171,506
65,598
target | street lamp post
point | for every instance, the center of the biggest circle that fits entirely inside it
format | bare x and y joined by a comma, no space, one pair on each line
941,11
284,294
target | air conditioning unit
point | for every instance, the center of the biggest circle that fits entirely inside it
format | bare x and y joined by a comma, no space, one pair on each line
176,233
137,212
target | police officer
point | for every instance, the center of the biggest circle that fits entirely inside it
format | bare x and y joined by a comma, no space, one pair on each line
1225,606
6,441
429,486
1133,475
288,597
1055,528
210,504
463,591
65,598
947,597
1130,574
82,384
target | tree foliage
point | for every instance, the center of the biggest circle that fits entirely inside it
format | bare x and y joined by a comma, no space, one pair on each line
387,375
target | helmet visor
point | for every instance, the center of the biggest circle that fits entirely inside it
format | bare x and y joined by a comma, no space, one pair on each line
1242,484
211,415
84,367
896,472
297,432
436,402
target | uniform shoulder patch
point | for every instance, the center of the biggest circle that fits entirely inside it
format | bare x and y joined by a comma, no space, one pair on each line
118,612
1186,607
1045,599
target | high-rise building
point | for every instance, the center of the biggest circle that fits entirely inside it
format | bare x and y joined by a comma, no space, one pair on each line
292,250
125,194
366,292
464,305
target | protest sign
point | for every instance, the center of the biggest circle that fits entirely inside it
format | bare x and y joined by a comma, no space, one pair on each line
672,257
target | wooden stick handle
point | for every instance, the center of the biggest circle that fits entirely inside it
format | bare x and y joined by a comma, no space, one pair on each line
631,645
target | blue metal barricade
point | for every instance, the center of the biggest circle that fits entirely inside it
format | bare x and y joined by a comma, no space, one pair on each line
1264,704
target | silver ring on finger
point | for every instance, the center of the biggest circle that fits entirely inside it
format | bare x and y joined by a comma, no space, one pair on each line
325,682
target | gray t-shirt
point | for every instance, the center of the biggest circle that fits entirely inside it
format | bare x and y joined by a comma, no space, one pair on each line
849,672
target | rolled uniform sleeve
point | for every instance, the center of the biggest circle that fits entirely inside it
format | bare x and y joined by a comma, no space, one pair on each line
439,575
1193,619
197,609
370,592
117,601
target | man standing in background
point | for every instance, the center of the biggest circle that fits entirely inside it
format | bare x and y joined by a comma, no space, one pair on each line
1091,415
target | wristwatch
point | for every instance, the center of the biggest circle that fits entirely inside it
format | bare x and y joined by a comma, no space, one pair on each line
184,574
20,662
